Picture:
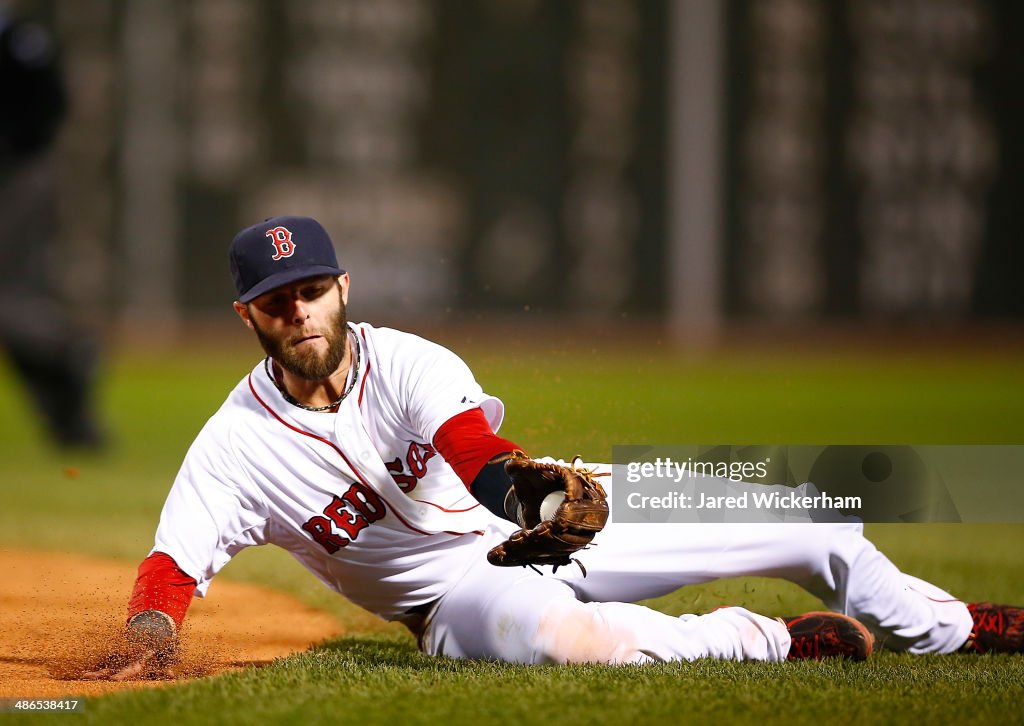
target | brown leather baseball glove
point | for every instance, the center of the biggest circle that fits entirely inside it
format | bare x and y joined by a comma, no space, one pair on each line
550,540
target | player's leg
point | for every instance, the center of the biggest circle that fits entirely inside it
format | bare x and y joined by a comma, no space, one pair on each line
832,561
516,615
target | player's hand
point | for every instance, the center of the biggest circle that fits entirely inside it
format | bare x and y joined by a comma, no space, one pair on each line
149,648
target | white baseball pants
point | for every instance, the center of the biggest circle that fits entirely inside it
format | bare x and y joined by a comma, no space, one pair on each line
518,615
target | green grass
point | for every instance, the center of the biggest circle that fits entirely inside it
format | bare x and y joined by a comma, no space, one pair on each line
380,681
566,401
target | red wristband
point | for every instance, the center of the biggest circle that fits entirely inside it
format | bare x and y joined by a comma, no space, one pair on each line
162,585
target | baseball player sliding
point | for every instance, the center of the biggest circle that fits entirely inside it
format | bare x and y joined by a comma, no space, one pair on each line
371,455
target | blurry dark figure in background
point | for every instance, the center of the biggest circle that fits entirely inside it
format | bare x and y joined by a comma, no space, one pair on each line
56,360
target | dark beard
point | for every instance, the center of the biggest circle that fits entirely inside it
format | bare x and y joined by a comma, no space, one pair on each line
311,365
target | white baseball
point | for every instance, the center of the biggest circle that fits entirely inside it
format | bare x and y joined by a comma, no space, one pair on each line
550,504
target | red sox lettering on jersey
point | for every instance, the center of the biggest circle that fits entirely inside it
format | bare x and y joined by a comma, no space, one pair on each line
360,506
416,459
352,512
282,239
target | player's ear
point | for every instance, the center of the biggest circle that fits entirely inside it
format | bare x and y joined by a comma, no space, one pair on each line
343,283
243,313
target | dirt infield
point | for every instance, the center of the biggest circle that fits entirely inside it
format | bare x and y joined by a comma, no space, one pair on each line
59,613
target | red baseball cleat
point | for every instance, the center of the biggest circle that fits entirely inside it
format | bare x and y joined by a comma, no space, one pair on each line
997,629
827,635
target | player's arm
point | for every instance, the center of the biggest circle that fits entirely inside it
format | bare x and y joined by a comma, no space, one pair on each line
209,516
478,456
159,600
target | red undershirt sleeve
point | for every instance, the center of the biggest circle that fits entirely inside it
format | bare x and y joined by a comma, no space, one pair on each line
162,585
467,443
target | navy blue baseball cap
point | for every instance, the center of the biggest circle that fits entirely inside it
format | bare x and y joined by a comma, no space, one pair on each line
279,251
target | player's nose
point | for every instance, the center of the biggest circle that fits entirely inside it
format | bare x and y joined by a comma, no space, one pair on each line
300,311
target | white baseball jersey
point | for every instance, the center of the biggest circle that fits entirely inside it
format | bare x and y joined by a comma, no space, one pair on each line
360,497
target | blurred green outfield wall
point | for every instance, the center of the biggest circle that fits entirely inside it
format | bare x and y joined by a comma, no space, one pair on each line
502,155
